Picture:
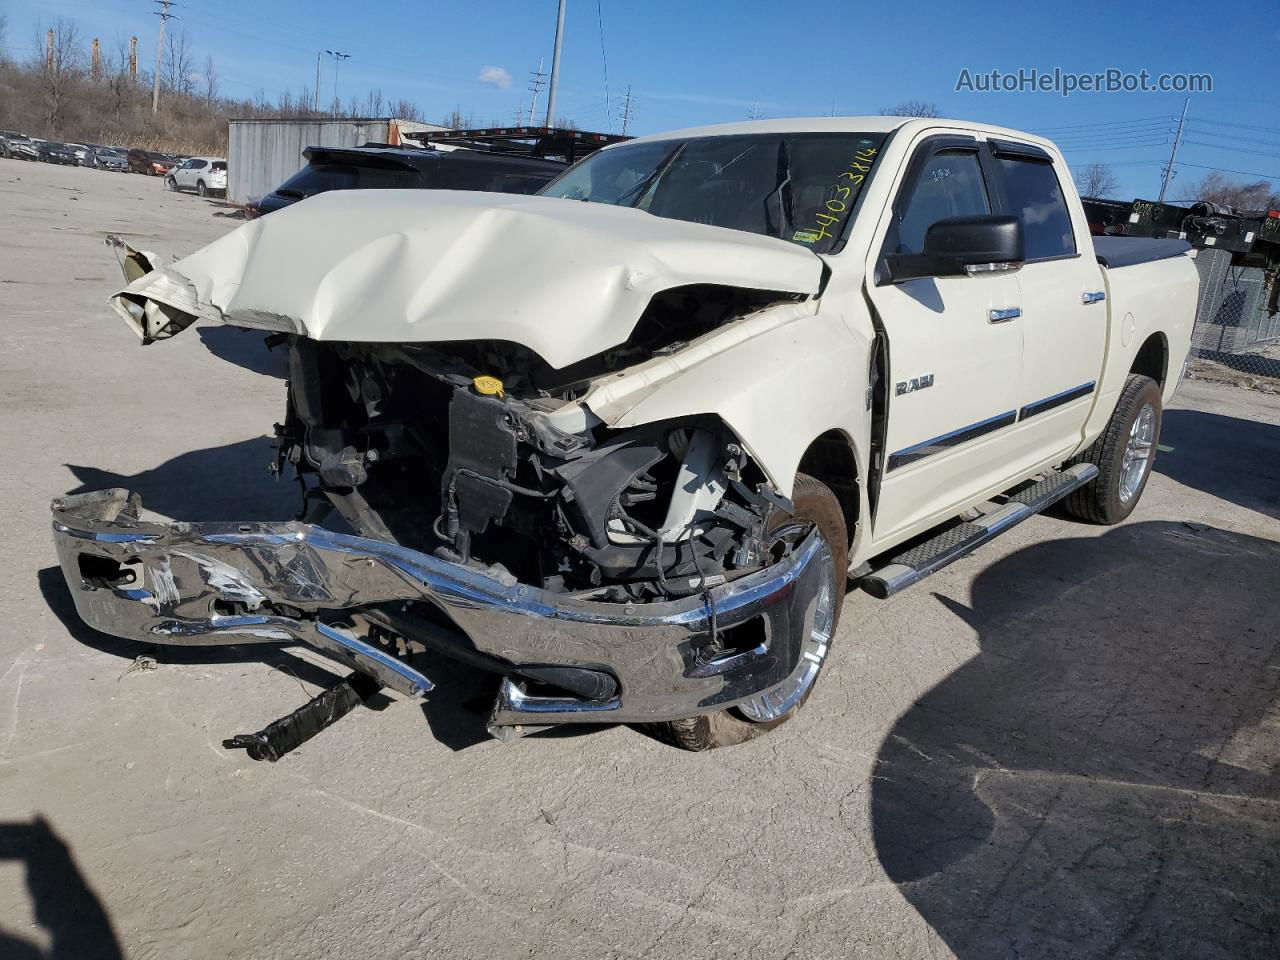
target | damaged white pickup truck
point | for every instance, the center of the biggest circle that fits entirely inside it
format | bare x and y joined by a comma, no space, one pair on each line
625,443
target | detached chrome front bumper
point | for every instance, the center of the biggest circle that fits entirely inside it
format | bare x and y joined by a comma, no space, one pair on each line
231,583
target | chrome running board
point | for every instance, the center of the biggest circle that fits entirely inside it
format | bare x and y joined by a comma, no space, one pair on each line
950,545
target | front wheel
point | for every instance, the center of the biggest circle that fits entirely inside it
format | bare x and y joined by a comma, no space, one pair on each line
816,507
172,184
1123,454
200,188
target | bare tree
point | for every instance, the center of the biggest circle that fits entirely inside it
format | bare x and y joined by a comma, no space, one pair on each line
209,80
373,104
119,83
455,120
1097,180
1217,188
60,61
404,110
911,108
177,66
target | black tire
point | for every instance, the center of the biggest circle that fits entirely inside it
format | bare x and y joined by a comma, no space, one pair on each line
817,504
201,189
1100,500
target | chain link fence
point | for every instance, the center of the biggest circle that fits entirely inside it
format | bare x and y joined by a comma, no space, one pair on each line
1237,333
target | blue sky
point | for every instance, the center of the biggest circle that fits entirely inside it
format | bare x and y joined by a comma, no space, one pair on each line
706,61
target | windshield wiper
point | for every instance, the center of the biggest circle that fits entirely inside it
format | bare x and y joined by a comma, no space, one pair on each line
786,212
643,187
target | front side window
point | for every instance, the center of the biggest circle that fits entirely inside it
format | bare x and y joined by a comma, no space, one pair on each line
1033,193
950,185
799,187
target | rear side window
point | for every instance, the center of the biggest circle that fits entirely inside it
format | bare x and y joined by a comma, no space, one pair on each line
950,185
450,175
524,182
1032,191
318,178
218,165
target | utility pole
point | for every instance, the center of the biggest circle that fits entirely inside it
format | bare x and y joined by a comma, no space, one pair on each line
319,54
48,49
626,110
165,16
133,59
338,57
95,70
1173,154
555,67
535,86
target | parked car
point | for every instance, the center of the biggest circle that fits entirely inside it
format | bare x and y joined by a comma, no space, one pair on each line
204,175
83,154
17,146
623,443
115,159
364,168
150,162
51,151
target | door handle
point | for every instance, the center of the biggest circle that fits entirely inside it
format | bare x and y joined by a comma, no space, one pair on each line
1092,296
1003,314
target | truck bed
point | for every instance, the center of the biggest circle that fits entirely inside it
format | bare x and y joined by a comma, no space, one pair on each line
1115,252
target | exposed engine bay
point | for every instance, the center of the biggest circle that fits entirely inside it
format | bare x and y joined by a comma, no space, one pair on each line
477,453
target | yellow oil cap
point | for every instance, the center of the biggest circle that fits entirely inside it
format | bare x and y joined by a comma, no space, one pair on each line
489,386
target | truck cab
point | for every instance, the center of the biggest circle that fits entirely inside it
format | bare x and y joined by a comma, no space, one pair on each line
627,442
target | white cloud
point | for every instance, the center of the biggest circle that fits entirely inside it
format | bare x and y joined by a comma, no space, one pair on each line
495,76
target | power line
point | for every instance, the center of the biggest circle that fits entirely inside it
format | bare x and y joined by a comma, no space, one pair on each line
626,110
604,60
1108,123
1243,173
1235,138
1219,146
165,16
1130,146
1244,126
536,83
1169,172
1108,141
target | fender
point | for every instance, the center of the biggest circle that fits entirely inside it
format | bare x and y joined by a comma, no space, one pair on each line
786,376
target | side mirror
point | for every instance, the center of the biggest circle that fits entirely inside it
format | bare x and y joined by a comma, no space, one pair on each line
958,246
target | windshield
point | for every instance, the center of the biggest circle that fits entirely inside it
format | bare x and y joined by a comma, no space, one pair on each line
800,187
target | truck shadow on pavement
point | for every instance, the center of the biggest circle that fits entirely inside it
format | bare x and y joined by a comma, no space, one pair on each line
62,902
1103,778
1230,458
245,348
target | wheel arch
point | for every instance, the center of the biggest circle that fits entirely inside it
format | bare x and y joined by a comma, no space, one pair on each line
830,458
1152,358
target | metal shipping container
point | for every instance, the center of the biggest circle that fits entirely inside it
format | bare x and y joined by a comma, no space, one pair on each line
262,154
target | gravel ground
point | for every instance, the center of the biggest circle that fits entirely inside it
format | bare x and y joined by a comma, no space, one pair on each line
1063,746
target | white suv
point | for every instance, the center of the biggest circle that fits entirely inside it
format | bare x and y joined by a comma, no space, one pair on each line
204,175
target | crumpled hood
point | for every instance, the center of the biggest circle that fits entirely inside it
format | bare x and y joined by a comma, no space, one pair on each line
564,278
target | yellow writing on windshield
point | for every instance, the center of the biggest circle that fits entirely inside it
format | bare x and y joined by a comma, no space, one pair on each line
840,199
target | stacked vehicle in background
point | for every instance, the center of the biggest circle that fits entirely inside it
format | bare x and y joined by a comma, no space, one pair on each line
370,167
